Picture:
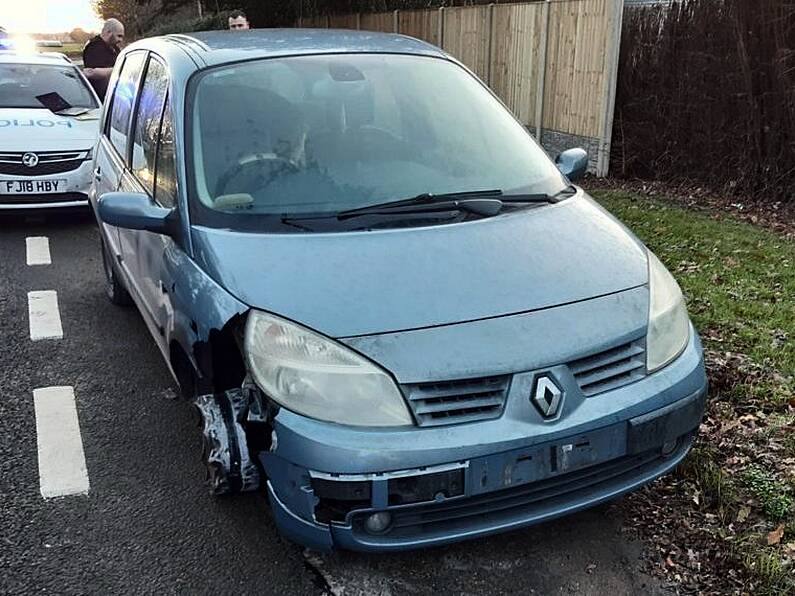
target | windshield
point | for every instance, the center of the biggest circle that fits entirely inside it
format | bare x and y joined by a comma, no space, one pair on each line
322,134
21,83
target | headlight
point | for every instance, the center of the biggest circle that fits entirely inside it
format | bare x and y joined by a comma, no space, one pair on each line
669,327
314,376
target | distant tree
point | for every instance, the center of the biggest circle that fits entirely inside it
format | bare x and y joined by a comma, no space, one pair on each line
80,36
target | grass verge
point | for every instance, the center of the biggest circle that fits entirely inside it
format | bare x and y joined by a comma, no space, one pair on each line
725,522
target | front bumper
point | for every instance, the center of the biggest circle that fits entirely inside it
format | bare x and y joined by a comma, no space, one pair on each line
452,483
75,194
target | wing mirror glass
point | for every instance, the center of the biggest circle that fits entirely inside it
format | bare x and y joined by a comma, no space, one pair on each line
136,211
573,163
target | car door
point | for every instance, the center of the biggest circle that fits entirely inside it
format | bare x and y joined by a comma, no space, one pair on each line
151,172
112,150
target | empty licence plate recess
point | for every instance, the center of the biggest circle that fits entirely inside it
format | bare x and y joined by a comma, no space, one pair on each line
545,460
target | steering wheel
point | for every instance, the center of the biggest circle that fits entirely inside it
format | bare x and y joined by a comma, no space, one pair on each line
252,160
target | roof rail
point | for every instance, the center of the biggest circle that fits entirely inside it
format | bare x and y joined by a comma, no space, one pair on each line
181,38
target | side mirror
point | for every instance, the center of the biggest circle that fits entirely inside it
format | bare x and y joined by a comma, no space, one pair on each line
573,163
136,211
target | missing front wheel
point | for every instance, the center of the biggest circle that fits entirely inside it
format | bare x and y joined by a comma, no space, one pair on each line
225,452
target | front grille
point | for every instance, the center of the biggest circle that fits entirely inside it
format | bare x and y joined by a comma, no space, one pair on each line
63,197
452,402
610,369
528,499
50,162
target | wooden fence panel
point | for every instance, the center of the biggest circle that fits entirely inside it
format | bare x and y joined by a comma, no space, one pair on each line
344,21
577,67
383,21
466,36
553,62
517,35
422,24
314,22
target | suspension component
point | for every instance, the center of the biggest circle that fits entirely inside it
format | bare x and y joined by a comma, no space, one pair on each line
225,452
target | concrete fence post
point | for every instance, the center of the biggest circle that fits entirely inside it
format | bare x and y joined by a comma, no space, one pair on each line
440,32
609,94
542,71
396,21
489,57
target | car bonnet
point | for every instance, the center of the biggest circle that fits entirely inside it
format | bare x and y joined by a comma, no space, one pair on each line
33,129
373,282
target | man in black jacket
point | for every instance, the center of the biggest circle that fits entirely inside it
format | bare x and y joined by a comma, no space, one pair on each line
100,54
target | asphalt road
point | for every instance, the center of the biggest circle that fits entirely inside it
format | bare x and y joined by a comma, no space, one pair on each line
147,523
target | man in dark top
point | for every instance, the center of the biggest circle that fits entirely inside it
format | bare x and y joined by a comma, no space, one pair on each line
100,53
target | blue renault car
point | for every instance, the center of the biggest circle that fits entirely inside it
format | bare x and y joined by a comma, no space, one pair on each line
393,311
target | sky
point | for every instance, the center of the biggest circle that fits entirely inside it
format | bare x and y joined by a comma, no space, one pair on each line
48,16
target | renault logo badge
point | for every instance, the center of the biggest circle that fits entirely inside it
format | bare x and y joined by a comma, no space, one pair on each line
546,396
30,159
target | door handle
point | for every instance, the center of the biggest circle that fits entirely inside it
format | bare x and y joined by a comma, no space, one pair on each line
97,174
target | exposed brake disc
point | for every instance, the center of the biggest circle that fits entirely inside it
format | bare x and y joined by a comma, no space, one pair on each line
225,453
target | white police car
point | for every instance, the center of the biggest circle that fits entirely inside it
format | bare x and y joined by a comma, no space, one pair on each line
49,117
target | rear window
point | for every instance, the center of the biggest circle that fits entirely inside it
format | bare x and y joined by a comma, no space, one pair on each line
21,83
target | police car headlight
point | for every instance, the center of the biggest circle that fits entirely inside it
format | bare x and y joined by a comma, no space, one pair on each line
319,378
669,326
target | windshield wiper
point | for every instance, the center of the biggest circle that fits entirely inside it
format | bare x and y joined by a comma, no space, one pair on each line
480,202
540,197
483,202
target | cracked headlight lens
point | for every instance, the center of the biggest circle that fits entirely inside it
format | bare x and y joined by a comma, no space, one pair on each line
669,326
319,378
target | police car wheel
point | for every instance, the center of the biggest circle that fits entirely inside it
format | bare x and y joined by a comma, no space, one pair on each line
116,292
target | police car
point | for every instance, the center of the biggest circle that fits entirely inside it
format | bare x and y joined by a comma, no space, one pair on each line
49,118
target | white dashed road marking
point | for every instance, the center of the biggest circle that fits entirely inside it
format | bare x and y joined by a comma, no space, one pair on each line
45,320
62,463
38,250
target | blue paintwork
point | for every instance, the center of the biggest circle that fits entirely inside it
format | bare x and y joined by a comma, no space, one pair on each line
511,343
486,268
573,163
221,47
520,293
134,211
332,448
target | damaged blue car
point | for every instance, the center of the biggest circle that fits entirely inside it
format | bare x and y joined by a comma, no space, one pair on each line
394,313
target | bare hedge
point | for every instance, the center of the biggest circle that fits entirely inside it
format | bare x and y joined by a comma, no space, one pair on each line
706,94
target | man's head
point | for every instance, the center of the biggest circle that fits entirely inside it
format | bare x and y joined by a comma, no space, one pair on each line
113,33
238,21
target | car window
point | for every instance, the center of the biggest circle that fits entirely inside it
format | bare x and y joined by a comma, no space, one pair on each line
20,84
123,98
165,171
321,134
147,123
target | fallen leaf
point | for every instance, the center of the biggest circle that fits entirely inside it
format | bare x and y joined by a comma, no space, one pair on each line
669,562
743,514
776,535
